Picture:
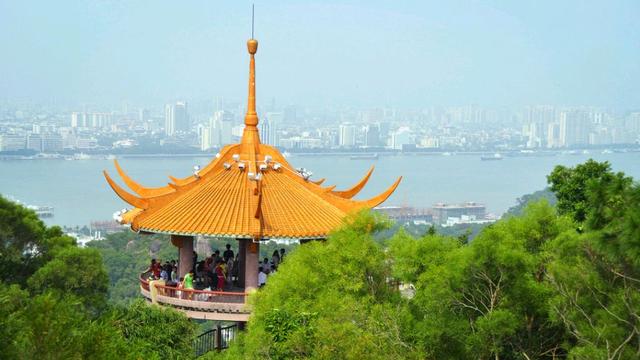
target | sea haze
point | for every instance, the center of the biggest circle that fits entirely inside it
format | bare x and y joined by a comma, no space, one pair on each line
78,192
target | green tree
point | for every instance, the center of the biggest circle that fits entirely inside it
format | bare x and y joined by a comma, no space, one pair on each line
159,333
596,273
25,242
570,186
74,271
525,200
53,326
329,300
486,299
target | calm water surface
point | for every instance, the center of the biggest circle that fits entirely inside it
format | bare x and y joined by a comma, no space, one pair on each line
79,193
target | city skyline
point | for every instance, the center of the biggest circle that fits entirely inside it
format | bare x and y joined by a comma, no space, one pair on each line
325,54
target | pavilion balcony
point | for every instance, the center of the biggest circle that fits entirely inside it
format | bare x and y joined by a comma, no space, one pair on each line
197,304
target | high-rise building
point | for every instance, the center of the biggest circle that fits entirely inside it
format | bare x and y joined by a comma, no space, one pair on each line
575,127
372,135
78,119
537,120
269,128
169,120
347,135
401,138
176,118
221,126
553,135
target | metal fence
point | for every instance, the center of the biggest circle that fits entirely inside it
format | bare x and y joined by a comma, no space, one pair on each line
214,339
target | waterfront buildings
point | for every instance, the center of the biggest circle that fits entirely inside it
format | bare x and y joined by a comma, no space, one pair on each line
443,212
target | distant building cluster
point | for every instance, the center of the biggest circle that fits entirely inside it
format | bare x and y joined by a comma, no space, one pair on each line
440,214
550,127
195,127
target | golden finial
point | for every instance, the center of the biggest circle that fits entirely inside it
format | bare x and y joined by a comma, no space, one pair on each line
251,118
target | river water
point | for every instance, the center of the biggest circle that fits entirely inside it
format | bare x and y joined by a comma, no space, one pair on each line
79,193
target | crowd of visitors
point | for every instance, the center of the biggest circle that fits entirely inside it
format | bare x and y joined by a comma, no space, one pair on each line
214,273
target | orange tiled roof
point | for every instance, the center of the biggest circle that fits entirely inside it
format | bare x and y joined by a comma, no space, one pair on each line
248,191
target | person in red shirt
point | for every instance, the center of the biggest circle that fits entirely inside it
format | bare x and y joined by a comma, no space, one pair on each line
221,275
155,268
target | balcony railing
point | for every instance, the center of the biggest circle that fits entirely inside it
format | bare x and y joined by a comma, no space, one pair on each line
196,303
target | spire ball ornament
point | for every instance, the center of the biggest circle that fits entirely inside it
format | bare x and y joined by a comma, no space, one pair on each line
252,46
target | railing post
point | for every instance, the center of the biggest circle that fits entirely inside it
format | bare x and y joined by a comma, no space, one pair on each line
219,337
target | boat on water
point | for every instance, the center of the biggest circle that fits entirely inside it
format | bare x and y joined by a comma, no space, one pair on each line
495,156
365,157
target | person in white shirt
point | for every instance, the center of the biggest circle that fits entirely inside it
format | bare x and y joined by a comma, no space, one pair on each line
262,277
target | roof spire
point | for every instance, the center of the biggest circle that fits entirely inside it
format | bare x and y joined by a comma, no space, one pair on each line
251,118
250,134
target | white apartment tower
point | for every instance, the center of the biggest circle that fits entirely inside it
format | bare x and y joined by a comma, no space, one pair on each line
347,135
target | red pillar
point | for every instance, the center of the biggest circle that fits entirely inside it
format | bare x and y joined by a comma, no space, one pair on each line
250,265
185,250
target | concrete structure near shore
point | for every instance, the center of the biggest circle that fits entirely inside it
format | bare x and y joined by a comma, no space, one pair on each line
248,192
442,212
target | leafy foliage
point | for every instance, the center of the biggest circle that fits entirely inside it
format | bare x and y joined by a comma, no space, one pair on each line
25,242
487,298
525,200
74,271
162,332
596,273
329,300
63,312
570,186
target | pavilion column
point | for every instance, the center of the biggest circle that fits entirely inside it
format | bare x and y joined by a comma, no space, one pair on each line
251,252
185,251
242,252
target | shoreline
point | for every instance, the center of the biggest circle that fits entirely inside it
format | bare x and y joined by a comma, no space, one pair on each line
504,153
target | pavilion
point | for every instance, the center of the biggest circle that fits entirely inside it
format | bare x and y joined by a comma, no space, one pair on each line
248,192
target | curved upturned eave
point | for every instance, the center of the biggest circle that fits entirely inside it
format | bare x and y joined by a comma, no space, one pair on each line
124,195
354,190
139,189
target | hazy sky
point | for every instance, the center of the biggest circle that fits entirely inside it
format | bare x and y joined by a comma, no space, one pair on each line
366,53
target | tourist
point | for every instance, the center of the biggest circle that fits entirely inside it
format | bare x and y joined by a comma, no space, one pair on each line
228,254
236,269
281,255
195,260
164,275
220,275
187,283
154,268
265,264
174,273
168,268
275,258
214,259
262,277
229,272
209,271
